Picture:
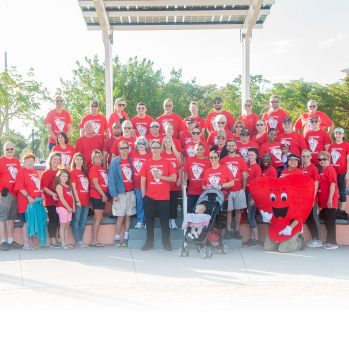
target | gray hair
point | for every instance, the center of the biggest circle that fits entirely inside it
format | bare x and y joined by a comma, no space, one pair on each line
144,139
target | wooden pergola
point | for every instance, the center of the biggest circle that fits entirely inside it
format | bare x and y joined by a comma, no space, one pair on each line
117,15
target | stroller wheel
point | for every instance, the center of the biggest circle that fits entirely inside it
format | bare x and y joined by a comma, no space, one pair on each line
186,251
209,253
198,249
225,248
203,253
181,251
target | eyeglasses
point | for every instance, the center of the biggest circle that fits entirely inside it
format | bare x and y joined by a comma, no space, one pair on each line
196,133
126,127
140,143
213,157
260,124
220,138
248,105
154,126
239,127
124,148
94,106
306,156
215,103
59,101
156,147
11,149
275,102
141,107
311,106
323,159
314,121
168,105
121,104
221,122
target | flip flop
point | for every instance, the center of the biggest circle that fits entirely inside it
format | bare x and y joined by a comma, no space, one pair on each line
65,247
28,248
97,245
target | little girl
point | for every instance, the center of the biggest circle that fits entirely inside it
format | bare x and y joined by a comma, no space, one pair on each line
66,205
196,221
285,152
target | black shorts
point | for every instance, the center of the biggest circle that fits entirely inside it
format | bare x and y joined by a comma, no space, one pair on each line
97,203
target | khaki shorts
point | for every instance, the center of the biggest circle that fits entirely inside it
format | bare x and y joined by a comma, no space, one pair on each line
8,207
237,200
126,205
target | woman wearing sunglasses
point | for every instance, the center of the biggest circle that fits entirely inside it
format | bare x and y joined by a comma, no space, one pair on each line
238,127
248,118
221,121
262,136
119,115
312,220
328,198
138,158
169,130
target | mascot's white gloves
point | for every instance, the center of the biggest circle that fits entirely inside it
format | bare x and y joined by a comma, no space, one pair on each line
287,231
266,216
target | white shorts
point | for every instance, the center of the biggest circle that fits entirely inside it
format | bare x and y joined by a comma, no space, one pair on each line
237,200
126,205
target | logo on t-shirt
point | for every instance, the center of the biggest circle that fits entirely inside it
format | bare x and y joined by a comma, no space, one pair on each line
215,140
214,180
84,182
105,177
60,124
313,144
273,123
37,181
164,123
174,165
335,156
65,159
127,172
141,130
243,151
188,140
138,165
69,192
197,170
191,151
233,169
156,170
13,171
277,153
96,127
214,124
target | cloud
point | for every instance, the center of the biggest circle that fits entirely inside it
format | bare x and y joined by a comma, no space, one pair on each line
331,40
282,46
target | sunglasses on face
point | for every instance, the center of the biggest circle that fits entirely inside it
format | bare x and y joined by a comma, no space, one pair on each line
10,149
260,124
213,157
220,122
195,133
124,148
248,105
94,106
156,147
275,102
141,107
59,101
323,159
314,121
154,127
306,156
168,105
121,104
216,103
311,106
140,143
239,127
127,128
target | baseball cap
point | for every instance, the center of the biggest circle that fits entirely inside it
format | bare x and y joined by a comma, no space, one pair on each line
339,129
93,102
190,119
287,119
117,124
221,134
245,131
219,99
154,124
316,117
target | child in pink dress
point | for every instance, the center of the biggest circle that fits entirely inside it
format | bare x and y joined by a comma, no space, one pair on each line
196,221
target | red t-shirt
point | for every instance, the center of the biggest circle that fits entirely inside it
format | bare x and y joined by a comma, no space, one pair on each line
86,146
271,172
250,122
151,137
311,171
101,174
68,196
115,118
175,120
107,146
295,140
215,177
176,165
186,137
287,172
99,122
327,177
211,120
27,180
130,141
67,153
339,153
59,122
242,149
275,150
261,140
8,172
274,120
304,123
189,150
195,168
141,125
126,174
212,138
316,143
82,186
237,166
253,171
47,179
199,121
137,161
157,189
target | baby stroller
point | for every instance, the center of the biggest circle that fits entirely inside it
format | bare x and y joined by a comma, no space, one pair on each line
214,200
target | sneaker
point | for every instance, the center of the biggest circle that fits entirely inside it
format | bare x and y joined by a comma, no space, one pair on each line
248,242
15,245
330,246
237,235
125,243
80,244
314,244
174,226
139,225
190,235
254,242
5,246
301,238
57,245
147,247
196,235
116,242
228,235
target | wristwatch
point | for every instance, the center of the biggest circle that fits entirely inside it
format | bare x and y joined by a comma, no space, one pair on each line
221,186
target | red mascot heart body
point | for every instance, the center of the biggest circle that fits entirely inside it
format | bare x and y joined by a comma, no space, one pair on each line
289,198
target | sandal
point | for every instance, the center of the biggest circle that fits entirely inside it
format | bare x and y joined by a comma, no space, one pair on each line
98,245
70,246
65,247
28,248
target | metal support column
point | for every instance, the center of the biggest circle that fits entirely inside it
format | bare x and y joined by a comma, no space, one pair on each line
108,77
245,77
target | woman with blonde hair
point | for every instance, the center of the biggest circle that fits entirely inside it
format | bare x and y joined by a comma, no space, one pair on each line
119,115
169,130
169,152
249,118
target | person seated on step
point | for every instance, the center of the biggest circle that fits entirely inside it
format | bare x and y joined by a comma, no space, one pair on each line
196,221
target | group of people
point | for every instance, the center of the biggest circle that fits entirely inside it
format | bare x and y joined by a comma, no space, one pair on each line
141,164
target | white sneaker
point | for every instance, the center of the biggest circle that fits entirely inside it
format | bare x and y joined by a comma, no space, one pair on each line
330,246
190,235
196,235
139,225
314,244
173,223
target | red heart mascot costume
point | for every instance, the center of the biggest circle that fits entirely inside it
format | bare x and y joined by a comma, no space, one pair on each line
285,204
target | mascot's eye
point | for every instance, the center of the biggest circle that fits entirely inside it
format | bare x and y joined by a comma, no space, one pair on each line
272,197
284,197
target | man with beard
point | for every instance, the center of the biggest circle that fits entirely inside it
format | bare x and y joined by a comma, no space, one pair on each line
245,144
108,144
211,117
237,196
274,117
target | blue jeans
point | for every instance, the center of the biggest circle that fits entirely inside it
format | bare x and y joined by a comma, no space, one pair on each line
251,211
342,187
50,147
79,222
139,204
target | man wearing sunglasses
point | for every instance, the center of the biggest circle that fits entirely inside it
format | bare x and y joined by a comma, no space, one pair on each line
154,132
304,121
211,117
108,144
274,117
141,123
318,140
169,117
99,122
127,136
121,188
245,144
9,166
57,120
189,150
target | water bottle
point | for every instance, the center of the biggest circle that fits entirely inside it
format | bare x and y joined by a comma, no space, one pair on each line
179,211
